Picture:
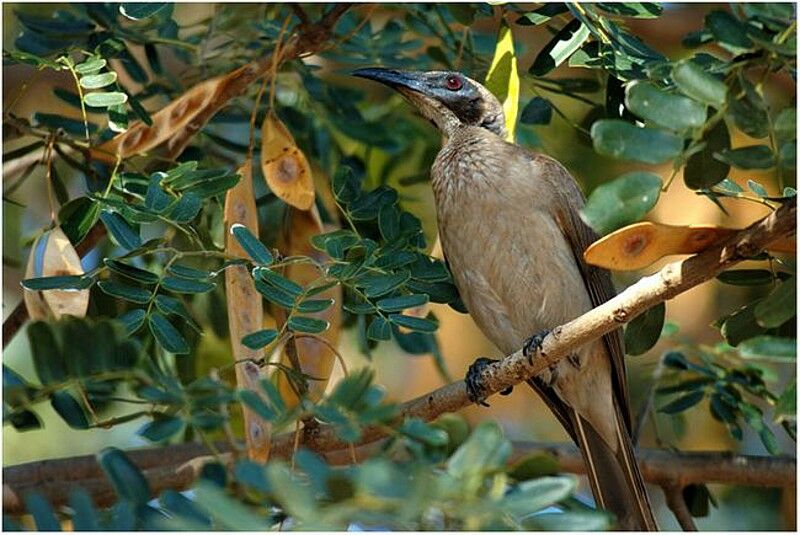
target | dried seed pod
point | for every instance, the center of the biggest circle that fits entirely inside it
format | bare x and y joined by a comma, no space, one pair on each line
639,245
245,310
284,165
53,255
314,357
167,123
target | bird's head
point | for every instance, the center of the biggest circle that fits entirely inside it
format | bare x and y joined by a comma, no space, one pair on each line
447,98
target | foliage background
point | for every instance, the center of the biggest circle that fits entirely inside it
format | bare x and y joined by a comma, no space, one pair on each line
521,416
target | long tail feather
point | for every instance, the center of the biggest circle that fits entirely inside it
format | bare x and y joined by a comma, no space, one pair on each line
616,481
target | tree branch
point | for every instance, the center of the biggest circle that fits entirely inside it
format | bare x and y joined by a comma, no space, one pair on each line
176,467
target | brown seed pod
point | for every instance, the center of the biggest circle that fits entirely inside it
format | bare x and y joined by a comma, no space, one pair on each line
57,257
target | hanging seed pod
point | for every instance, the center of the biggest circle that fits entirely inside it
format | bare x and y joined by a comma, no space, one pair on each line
245,310
53,255
284,165
313,357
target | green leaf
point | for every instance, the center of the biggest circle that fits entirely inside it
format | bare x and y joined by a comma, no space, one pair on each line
96,81
757,188
786,124
169,306
42,512
561,47
623,201
127,480
537,111
141,10
310,306
131,272
378,285
133,320
403,302
254,248
693,81
48,360
77,217
683,402
620,139
72,126
503,79
534,466
424,432
379,329
186,209
729,32
186,286
769,347
91,65
583,521
166,335
162,428
779,306
307,325
279,281
741,325
70,410
752,157
638,10
259,339
84,516
186,272
123,291
542,14
746,277
415,324
644,330
668,110
58,282
274,295
748,116
105,100
255,402
119,229
702,170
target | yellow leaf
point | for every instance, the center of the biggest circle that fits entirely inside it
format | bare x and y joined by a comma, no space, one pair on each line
314,357
503,79
284,165
639,245
245,309
58,258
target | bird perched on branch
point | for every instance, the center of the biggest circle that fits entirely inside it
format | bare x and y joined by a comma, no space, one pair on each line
510,229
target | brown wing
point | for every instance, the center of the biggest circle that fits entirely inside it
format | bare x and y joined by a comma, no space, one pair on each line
598,281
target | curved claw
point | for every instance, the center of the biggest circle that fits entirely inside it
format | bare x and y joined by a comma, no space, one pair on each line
474,387
534,344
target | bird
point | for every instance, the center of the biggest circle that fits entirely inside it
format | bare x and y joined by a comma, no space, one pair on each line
510,228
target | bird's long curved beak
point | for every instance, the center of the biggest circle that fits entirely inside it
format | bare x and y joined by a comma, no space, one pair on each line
394,79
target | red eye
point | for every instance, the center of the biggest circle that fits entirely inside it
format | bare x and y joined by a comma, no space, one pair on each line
453,83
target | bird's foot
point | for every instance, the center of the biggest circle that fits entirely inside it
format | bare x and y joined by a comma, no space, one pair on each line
474,386
534,344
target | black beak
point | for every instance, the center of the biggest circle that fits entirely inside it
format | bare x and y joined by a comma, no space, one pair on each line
394,79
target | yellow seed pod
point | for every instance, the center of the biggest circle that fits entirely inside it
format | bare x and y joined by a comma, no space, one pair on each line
53,255
284,166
